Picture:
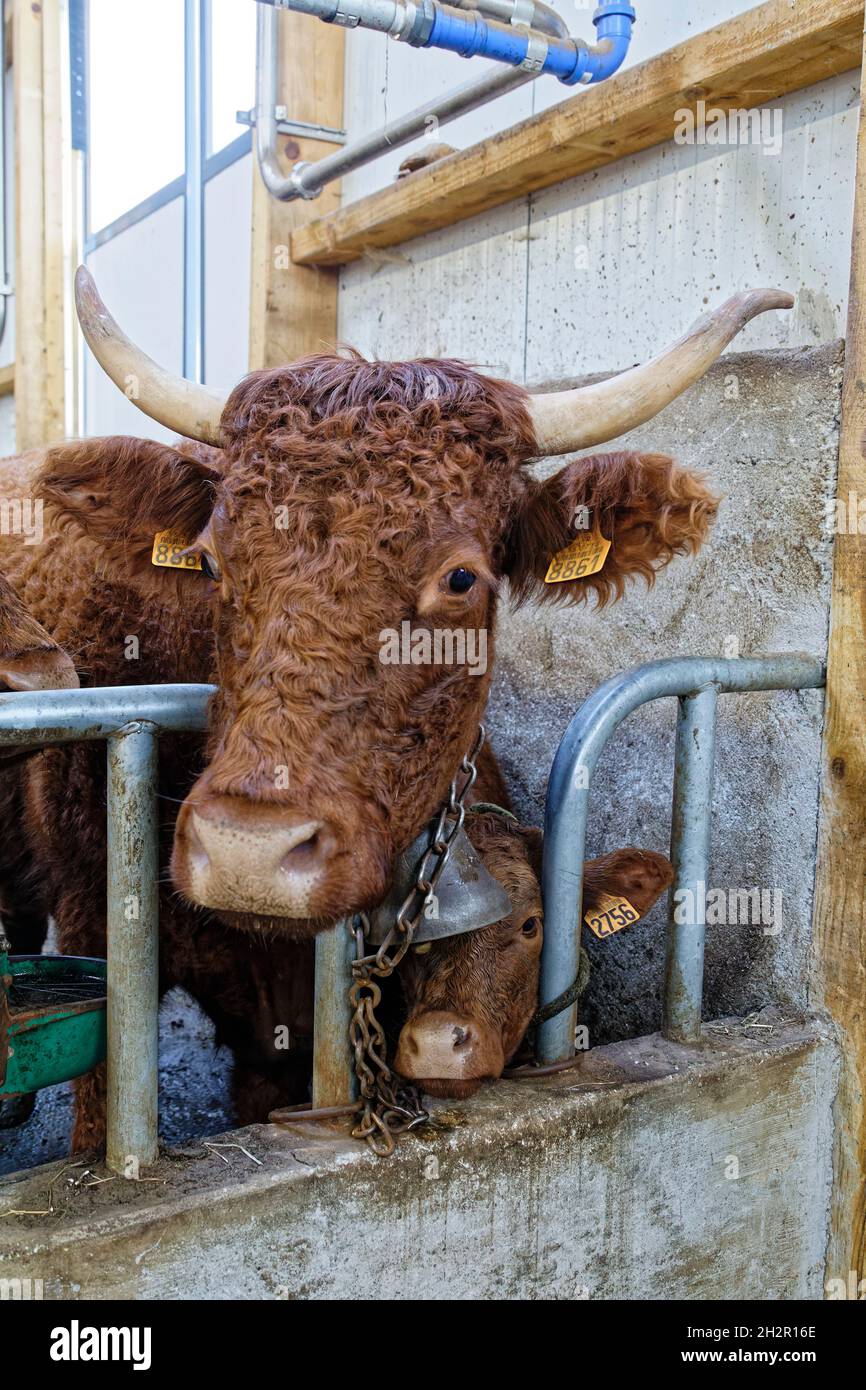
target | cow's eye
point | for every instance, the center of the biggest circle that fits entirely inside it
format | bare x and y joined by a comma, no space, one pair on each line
460,581
531,926
209,567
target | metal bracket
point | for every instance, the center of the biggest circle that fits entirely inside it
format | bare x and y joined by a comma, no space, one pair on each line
303,129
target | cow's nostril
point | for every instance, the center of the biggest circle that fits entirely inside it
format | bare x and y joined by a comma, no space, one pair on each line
461,1036
310,852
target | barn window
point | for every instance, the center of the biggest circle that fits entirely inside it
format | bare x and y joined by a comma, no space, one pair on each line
157,91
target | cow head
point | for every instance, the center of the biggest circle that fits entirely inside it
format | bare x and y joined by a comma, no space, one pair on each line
470,999
351,512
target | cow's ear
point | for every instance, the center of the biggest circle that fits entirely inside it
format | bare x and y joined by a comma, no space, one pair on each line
29,660
120,492
644,504
39,668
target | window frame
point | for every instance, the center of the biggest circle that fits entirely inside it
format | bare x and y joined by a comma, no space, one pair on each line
200,166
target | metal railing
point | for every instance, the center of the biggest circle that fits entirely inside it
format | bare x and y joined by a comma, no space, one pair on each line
697,682
130,720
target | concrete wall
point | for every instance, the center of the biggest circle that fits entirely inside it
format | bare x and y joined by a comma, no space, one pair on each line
653,1172
761,585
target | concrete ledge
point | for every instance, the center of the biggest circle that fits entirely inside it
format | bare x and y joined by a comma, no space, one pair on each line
651,1171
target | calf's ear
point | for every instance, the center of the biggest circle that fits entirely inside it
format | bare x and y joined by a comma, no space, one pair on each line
640,875
119,492
648,507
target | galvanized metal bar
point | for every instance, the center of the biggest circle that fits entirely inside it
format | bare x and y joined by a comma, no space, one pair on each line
568,797
193,202
66,716
690,856
133,927
334,1080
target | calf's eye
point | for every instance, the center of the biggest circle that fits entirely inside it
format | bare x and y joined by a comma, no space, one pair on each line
460,581
531,926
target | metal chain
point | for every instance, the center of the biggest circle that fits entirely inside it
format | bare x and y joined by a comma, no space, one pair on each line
390,1106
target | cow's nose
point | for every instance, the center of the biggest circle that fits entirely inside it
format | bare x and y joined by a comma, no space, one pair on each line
447,1046
245,857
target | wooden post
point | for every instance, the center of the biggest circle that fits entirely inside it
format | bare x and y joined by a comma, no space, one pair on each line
840,890
293,309
43,397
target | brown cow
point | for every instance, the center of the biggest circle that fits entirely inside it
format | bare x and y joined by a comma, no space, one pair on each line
29,660
345,500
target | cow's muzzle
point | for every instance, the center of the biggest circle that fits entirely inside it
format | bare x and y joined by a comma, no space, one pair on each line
239,856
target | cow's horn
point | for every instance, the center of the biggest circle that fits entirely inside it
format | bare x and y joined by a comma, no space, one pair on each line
568,420
182,406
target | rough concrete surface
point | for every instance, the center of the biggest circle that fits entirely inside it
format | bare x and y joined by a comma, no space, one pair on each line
651,1171
764,427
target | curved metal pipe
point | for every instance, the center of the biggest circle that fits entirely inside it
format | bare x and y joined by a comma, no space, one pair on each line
527,52
532,14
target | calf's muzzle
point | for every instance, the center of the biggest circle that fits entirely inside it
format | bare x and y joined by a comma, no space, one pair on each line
440,1049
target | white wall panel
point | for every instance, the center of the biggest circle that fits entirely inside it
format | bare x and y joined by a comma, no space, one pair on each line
619,261
228,224
140,277
456,293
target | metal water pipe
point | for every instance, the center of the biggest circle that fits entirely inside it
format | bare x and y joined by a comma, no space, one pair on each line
526,53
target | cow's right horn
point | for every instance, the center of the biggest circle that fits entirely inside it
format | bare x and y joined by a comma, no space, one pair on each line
183,406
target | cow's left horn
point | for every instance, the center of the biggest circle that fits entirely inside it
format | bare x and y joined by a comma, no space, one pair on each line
568,420
183,406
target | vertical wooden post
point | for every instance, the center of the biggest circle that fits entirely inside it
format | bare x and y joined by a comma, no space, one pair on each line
42,217
293,308
840,890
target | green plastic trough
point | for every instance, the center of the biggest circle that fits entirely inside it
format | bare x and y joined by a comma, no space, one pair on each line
52,1020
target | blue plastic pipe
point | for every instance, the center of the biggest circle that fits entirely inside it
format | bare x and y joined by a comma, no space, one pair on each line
433,24
470,34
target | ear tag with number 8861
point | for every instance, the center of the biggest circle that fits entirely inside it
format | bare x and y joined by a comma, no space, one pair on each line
582,557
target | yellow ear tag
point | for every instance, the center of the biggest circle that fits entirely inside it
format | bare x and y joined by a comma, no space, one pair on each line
168,548
610,915
582,557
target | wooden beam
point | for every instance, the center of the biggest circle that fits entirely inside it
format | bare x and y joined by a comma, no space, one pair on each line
293,309
29,226
759,56
7,380
840,889
42,271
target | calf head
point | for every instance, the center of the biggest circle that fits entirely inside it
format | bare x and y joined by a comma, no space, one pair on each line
470,999
352,511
